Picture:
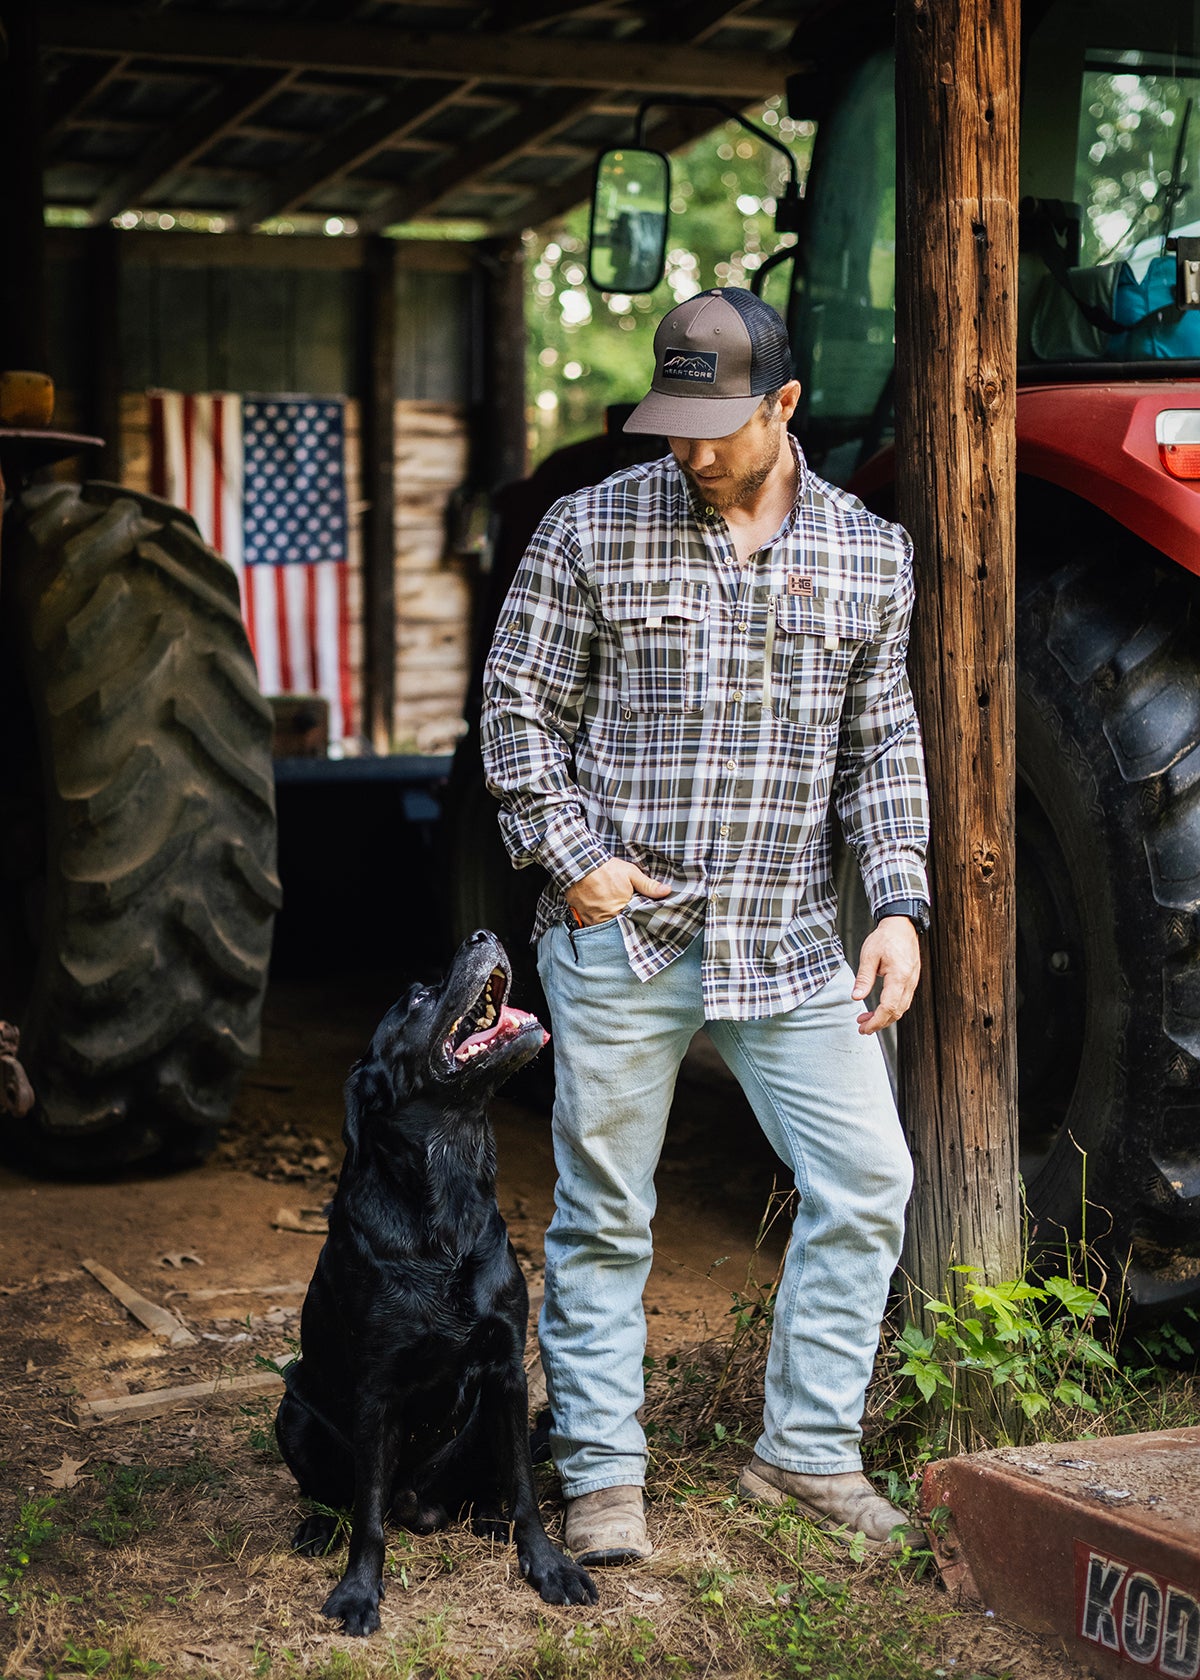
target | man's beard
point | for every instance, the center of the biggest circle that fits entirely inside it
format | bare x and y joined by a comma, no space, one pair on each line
737,491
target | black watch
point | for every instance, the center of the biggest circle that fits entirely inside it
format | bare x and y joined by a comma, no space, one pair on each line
915,909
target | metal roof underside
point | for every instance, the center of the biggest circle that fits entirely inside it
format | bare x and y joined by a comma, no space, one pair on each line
382,111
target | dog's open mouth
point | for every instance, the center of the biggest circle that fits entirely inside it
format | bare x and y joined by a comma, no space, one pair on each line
488,1023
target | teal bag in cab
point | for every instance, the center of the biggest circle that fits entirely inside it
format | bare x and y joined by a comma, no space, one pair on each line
1157,327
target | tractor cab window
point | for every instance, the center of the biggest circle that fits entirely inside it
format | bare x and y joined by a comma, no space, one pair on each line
844,310
1136,172
1106,282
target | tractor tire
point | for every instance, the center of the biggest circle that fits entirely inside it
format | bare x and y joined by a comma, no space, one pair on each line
1108,953
138,882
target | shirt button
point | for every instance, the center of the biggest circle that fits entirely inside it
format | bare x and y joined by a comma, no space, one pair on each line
737,695
724,831
710,511
714,898
741,625
731,765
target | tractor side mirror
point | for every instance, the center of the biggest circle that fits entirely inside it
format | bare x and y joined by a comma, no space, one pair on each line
627,239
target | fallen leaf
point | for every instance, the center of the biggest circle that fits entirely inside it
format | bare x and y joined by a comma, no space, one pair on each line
67,1474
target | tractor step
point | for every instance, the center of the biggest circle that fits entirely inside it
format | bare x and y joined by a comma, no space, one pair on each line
1095,1541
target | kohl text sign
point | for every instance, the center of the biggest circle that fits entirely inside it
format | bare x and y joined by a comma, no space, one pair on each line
1130,1613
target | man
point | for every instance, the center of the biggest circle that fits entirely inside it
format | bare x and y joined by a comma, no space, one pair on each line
697,660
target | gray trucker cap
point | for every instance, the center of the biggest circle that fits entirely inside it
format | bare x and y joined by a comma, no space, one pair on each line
715,358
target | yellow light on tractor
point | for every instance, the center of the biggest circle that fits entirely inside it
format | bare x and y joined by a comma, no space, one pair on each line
26,399
1178,434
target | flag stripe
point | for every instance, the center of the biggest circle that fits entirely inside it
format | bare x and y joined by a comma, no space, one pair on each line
264,480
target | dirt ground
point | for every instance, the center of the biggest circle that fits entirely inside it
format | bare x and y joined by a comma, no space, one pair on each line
160,1545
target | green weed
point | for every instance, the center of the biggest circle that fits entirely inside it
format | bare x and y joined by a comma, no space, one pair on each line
122,1662
129,1493
34,1526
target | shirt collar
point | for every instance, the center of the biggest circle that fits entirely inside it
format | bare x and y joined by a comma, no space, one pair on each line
706,515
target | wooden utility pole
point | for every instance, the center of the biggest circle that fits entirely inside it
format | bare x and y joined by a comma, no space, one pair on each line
957,86
377,384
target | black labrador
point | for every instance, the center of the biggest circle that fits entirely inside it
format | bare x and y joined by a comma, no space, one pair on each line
409,1396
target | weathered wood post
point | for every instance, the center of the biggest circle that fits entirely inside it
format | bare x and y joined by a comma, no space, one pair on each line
957,111
377,380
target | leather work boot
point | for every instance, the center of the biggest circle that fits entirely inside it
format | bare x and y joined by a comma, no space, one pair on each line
845,1503
608,1526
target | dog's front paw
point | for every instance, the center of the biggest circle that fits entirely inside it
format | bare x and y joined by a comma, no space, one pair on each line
559,1580
357,1607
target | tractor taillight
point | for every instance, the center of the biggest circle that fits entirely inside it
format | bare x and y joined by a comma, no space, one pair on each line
1178,434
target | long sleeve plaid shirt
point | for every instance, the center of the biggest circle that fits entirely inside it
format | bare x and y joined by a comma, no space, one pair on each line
647,697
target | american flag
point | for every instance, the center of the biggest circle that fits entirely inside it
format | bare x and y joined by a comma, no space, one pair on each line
265,480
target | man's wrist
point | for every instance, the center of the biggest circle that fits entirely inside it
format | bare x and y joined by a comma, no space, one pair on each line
915,909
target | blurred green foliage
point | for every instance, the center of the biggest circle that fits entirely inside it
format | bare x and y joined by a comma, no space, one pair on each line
586,348
1130,127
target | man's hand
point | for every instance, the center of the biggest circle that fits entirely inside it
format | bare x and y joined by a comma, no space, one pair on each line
604,893
891,953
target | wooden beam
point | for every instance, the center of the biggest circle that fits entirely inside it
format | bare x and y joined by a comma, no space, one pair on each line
528,14
103,248
377,384
502,453
546,115
229,38
679,130
694,20
956,267
522,135
144,248
239,96
69,92
354,144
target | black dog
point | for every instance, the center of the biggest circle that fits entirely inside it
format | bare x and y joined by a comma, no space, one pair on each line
410,1393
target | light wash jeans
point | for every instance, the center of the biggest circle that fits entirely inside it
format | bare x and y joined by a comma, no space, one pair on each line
820,1092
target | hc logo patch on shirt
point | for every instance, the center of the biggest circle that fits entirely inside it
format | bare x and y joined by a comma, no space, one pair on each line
798,584
696,367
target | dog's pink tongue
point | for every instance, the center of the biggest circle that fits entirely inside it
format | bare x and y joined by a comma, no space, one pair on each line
511,1021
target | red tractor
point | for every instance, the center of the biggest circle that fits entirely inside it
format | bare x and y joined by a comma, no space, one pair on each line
1108,610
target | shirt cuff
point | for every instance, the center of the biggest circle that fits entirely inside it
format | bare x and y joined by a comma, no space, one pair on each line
569,852
896,881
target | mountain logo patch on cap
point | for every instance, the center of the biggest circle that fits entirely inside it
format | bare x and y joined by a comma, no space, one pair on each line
694,367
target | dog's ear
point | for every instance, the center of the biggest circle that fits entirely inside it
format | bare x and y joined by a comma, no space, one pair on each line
366,1090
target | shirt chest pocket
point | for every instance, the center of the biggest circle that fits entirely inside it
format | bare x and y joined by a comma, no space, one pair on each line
661,631
812,642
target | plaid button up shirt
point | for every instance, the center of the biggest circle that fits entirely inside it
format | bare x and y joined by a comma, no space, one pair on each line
647,697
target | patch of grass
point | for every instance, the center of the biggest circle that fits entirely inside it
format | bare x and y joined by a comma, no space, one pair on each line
117,1659
130,1495
33,1527
257,1428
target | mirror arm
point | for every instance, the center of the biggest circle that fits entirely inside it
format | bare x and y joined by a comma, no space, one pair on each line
702,100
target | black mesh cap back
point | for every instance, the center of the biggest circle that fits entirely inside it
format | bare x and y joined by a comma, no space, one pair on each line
770,352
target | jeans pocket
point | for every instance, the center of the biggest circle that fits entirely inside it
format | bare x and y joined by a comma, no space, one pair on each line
598,943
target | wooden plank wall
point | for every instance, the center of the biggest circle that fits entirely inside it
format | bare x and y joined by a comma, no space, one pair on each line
433,595
243,326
